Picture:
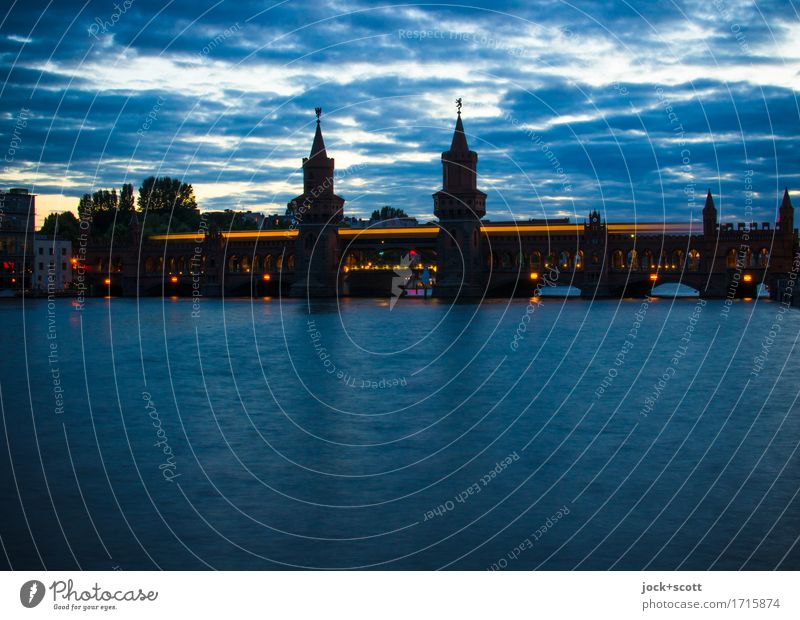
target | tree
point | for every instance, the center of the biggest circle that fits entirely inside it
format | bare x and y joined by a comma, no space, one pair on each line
85,206
230,220
165,194
104,201
126,197
387,213
62,225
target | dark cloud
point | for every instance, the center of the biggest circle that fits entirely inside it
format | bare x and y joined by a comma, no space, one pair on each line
222,94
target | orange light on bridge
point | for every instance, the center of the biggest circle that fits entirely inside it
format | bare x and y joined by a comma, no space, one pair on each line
174,279
266,277
748,277
653,277
534,275
107,281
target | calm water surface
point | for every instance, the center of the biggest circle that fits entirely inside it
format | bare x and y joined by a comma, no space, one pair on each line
270,434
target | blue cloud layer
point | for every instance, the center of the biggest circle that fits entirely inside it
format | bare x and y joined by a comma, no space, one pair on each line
610,106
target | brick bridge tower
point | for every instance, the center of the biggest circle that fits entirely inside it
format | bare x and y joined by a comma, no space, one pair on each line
709,219
459,205
317,214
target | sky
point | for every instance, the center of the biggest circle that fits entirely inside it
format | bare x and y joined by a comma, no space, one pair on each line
633,109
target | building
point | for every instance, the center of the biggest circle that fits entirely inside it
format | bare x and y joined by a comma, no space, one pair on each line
276,221
17,226
394,222
52,264
323,254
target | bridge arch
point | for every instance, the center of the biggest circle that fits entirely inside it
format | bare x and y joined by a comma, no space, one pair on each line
647,259
674,289
562,290
618,260
731,258
694,260
676,260
633,259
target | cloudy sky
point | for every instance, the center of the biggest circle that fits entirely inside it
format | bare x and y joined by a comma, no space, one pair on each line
630,108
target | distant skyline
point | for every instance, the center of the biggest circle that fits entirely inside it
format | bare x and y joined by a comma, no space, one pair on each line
627,109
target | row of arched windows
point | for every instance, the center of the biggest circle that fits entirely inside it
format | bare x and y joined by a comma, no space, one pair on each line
259,264
563,260
175,265
567,261
104,265
179,265
646,260
738,258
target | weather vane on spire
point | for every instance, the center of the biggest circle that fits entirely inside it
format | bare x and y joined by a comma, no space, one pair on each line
318,111
458,105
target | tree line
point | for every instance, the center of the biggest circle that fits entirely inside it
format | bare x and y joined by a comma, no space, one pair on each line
163,205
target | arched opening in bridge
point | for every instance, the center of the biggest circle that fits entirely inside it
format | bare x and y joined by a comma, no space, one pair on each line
730,259
694,260
560,291
674,289
633,259
379,271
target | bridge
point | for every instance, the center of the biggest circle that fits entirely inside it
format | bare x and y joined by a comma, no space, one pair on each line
461,255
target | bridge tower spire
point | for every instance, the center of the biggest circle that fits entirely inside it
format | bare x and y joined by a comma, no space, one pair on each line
316,213
709,217
459,205
786,215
